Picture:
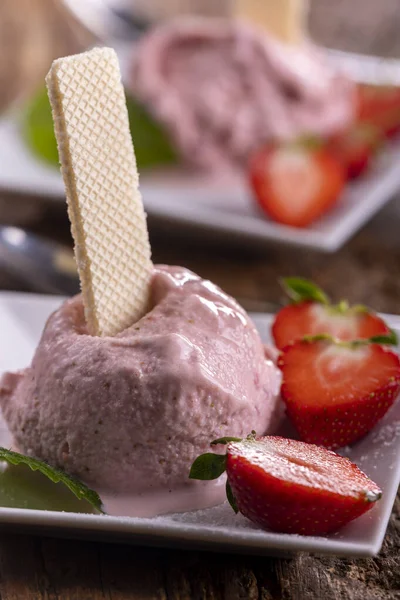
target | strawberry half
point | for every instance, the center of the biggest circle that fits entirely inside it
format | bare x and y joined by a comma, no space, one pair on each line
312,313
380,106
289,486
356,147
296,183
336,392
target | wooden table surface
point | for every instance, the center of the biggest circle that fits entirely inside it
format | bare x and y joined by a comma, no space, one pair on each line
366,270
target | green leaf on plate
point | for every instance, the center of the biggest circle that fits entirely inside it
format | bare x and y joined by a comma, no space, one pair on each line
208,466
79,489
152,145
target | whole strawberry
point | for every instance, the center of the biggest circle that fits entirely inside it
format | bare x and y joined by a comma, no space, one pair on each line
289,486
335,392
312,313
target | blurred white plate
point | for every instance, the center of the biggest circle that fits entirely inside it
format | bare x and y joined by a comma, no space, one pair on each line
22,317
226,206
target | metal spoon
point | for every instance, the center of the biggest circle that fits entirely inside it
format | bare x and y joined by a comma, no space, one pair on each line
107,20
45,266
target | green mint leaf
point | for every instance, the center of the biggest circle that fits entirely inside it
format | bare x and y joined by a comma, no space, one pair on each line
152,145
79,489
231,497
389,339
37,128
208,466
225,440
301,290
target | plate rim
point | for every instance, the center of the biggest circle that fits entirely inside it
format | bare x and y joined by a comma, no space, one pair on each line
326,235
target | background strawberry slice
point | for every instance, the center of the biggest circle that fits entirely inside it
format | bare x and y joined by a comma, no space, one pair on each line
335,393
312,314
289,486
356,147
296,183
380,106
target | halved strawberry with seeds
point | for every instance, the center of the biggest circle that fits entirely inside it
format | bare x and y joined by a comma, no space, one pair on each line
312,313
289,486
336,392
296,182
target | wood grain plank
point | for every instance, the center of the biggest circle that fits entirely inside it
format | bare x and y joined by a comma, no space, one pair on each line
21,569
132,572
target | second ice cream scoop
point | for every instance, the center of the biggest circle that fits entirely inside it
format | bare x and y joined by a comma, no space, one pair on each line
223,88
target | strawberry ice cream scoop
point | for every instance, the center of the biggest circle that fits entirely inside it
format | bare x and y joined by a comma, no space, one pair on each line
223,89
130,413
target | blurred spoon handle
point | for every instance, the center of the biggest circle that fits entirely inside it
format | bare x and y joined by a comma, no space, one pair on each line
44,266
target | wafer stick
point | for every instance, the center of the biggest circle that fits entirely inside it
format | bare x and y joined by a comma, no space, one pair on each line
98,164
285,19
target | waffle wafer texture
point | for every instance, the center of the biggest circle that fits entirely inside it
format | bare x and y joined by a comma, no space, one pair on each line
105,208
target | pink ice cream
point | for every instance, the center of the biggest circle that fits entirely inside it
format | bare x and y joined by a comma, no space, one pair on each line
130,413
223,88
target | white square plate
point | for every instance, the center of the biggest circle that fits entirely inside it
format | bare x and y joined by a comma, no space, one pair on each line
22,317
226,205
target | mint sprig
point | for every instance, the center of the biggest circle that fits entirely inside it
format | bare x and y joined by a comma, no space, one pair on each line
79,489
302,290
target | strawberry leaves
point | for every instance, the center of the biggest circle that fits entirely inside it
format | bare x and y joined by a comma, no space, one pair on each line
225,440
79,489
302,290
211,466
383,340
231,497
390,339
208,466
